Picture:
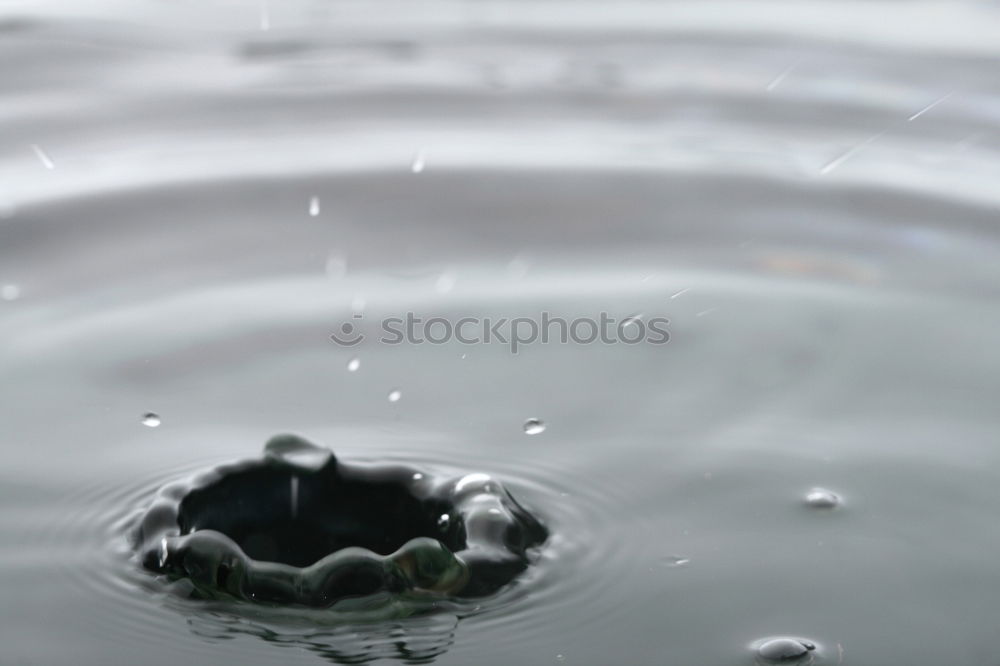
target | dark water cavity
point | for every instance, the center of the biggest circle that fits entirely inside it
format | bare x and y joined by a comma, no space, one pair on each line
195,196
300,527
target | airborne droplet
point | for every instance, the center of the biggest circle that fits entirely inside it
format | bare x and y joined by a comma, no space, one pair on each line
395,395
151,420
534,427
314,207
353,365
418,163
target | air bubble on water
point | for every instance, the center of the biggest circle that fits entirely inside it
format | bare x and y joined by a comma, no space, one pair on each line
314,206
783,650
336,266
444,520
43,157
445,283
534,427
419,162
151,420
10,292
820,498
674,561
395,395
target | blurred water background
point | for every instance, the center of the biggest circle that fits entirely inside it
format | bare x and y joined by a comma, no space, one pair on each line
195,195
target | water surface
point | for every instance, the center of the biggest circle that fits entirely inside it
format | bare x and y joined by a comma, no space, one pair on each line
193,197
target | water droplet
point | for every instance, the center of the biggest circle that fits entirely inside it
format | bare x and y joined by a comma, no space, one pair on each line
294,495
336,266
781,650
353,365
395,395
477,478
676,561
445,283
534,427
295,451
164,552
151,420
419,162
632,320
314,206
10,292
820,498
43,157
680,293
418,476
444,520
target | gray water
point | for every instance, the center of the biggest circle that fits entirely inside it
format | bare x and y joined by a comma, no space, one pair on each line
807,190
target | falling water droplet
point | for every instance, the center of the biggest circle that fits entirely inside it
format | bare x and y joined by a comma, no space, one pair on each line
820,498
10,292
418,476
632,320
534,427
151,420
43,157
353,364
314,206
395,395
444,520
674,561
164,552
294,494
418,163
